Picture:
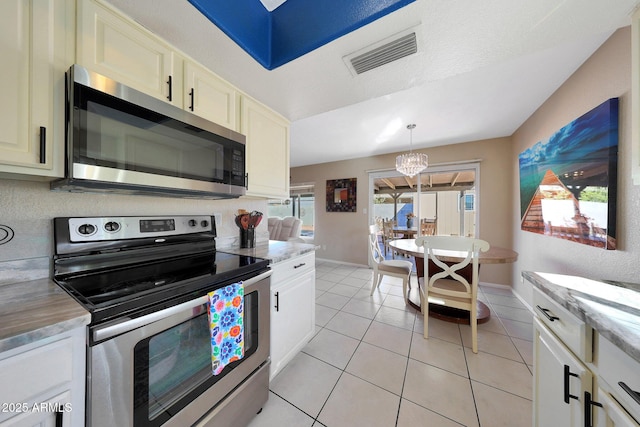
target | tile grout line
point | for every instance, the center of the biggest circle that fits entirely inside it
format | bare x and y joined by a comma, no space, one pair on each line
366,287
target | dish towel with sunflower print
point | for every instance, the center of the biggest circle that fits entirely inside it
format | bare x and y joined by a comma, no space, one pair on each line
226,307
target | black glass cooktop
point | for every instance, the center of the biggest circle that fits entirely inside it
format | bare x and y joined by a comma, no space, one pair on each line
118,291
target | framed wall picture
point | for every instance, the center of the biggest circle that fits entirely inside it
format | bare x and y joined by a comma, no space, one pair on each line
341,195
568,182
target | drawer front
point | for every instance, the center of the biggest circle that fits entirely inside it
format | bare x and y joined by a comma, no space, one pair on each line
291,267
615,367
36,371
576,334
611,413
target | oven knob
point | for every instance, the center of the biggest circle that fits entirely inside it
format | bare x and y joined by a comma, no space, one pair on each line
204,223
193,223
112,226
86,229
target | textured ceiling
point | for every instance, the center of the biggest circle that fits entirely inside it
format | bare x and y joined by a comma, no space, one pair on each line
483,67
293,29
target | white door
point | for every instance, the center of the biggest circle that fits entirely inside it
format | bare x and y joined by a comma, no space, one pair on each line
560,381
118,49
208,96
267,150
27,32
292,318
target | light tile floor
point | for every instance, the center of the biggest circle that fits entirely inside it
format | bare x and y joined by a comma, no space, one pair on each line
369,365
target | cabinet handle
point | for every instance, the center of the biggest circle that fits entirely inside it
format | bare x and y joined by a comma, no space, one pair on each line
567,375
546,311
170,83
299,265
246,180
191,95
588,403
634,394
43,144
59,418
277,306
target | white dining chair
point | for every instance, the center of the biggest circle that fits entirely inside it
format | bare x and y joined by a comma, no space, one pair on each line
448,285
383,267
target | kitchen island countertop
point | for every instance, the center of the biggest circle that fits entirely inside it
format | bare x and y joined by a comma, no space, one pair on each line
275,250
611,308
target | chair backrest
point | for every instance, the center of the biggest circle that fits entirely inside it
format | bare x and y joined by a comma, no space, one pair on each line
291,227
466,247
387,229
427,228
284,228
274,226
375,253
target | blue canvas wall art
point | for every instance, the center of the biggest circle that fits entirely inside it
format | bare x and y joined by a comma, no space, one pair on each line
568,182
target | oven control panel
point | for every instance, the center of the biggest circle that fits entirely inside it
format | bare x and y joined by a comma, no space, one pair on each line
92,229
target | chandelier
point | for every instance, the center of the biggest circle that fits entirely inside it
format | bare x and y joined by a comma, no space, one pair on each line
411,163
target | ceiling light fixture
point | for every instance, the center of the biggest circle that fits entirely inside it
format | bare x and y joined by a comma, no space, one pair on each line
411,163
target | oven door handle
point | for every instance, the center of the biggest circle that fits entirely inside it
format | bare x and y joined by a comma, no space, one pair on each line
106,332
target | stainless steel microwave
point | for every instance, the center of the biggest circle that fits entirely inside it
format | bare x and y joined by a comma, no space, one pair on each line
124,141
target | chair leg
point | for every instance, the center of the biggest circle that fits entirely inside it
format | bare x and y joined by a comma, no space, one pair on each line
405,286
424,306
377,278
474,329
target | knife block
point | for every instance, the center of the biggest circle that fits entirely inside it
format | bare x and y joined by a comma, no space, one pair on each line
247,237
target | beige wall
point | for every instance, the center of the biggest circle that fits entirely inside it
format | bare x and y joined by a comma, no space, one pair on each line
342,236
607,74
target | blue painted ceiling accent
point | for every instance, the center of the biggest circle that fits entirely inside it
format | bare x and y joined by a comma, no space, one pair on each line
293,29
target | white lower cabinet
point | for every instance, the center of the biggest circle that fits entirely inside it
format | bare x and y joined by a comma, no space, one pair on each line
292,309
43,383
560,382
609,413
50,414
579,374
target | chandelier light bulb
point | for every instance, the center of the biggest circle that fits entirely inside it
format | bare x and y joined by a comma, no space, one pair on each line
411,163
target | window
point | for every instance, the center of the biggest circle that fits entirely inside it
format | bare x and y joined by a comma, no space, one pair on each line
301,205
469,202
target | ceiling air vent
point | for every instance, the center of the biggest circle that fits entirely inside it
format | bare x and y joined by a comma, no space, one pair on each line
383,52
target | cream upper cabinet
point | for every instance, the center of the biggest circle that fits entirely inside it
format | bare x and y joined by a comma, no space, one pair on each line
267,150
34,53
208,96
118,48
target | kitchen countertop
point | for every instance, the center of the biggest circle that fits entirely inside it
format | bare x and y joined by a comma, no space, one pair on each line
611,308
275,250
35,310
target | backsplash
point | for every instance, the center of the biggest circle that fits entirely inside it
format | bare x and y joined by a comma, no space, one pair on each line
27,209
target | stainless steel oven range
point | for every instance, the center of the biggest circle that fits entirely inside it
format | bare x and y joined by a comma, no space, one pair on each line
145,281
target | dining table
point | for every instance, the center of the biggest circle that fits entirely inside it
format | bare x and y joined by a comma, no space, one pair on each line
495,255
407,232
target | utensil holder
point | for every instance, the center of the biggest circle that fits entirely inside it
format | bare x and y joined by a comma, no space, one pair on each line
247,238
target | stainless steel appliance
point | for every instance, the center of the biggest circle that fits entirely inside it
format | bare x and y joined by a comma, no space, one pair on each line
121,140
145,281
